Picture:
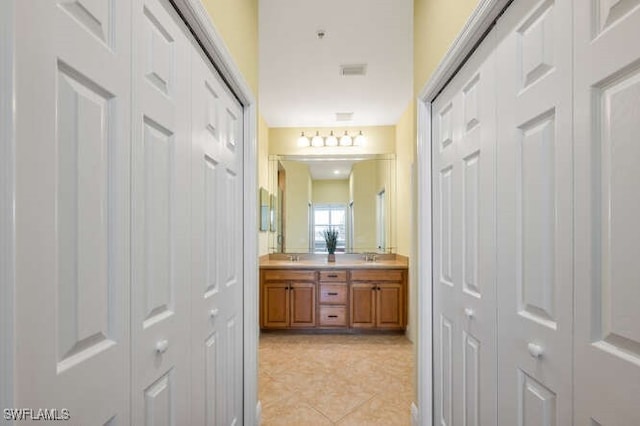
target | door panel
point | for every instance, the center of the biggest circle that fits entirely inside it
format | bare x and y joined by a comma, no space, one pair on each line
464,244
302,297
275,304
72,208
160,216
362,299
216,295
389,304
607,95
534,170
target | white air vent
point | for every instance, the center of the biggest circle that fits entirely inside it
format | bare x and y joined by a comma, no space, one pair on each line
353,69
344,116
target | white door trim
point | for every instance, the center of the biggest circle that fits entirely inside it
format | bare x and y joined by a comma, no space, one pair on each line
197,18
7,198
478,24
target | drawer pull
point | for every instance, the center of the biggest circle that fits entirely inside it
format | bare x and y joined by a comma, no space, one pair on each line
332,294
332,316
332,275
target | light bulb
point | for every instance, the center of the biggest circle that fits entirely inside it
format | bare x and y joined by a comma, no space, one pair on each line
317,140
360,139
303,141
331,140
345,140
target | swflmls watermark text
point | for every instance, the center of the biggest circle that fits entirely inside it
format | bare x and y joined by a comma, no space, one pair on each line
44,414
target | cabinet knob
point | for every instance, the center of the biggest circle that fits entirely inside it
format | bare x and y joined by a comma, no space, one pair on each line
214,313
535,351
162,346
469,313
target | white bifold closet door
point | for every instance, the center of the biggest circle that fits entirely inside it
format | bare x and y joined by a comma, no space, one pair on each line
73,65
607,208
463,153
534,214
217,274
160,232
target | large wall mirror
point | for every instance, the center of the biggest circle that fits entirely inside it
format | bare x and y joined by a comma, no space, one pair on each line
355,195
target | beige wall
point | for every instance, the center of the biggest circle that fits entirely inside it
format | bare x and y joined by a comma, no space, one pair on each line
364,186
298,187
330,191
237,22
284,140
405,156
436,23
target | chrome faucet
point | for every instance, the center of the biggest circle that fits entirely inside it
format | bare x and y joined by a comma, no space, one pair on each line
369,257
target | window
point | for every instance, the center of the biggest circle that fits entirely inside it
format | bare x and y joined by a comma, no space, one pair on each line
327,216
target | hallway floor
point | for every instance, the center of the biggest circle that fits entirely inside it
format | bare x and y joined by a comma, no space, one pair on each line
321,380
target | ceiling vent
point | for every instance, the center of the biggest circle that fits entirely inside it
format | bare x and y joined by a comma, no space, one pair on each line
344,116
353,69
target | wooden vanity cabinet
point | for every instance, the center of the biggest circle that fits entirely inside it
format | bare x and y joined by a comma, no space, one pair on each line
355,299
288,299
377,299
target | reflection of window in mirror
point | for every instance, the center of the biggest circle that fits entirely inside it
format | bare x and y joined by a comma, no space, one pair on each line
273,212
264,209
326,216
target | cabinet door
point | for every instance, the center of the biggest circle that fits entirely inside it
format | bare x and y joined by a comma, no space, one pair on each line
275,304
389,305
302,297
362,313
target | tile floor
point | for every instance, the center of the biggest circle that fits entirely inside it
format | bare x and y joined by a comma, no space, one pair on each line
321,380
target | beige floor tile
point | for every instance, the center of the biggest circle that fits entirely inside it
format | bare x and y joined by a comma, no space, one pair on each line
335,379
293,412
379,411
335,397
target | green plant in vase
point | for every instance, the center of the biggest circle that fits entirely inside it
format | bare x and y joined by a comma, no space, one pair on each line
331,239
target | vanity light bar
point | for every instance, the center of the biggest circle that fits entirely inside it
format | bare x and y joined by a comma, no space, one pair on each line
318,141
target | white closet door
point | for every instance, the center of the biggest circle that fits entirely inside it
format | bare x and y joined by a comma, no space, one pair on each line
607,207
72,208
535,231
217,313
464,244
160,216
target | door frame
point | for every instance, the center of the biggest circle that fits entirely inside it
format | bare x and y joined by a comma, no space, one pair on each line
199,22
477,26
7,203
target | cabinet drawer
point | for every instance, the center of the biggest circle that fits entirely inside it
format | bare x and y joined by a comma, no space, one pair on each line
287,275
335,294
333,316
376,275
333,276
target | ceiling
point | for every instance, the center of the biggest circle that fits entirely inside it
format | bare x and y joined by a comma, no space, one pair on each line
330,170
300,80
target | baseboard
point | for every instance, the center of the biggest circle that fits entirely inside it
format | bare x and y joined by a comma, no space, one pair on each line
414,415
258,413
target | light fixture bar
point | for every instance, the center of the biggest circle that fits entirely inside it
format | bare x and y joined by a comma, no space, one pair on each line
331,141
